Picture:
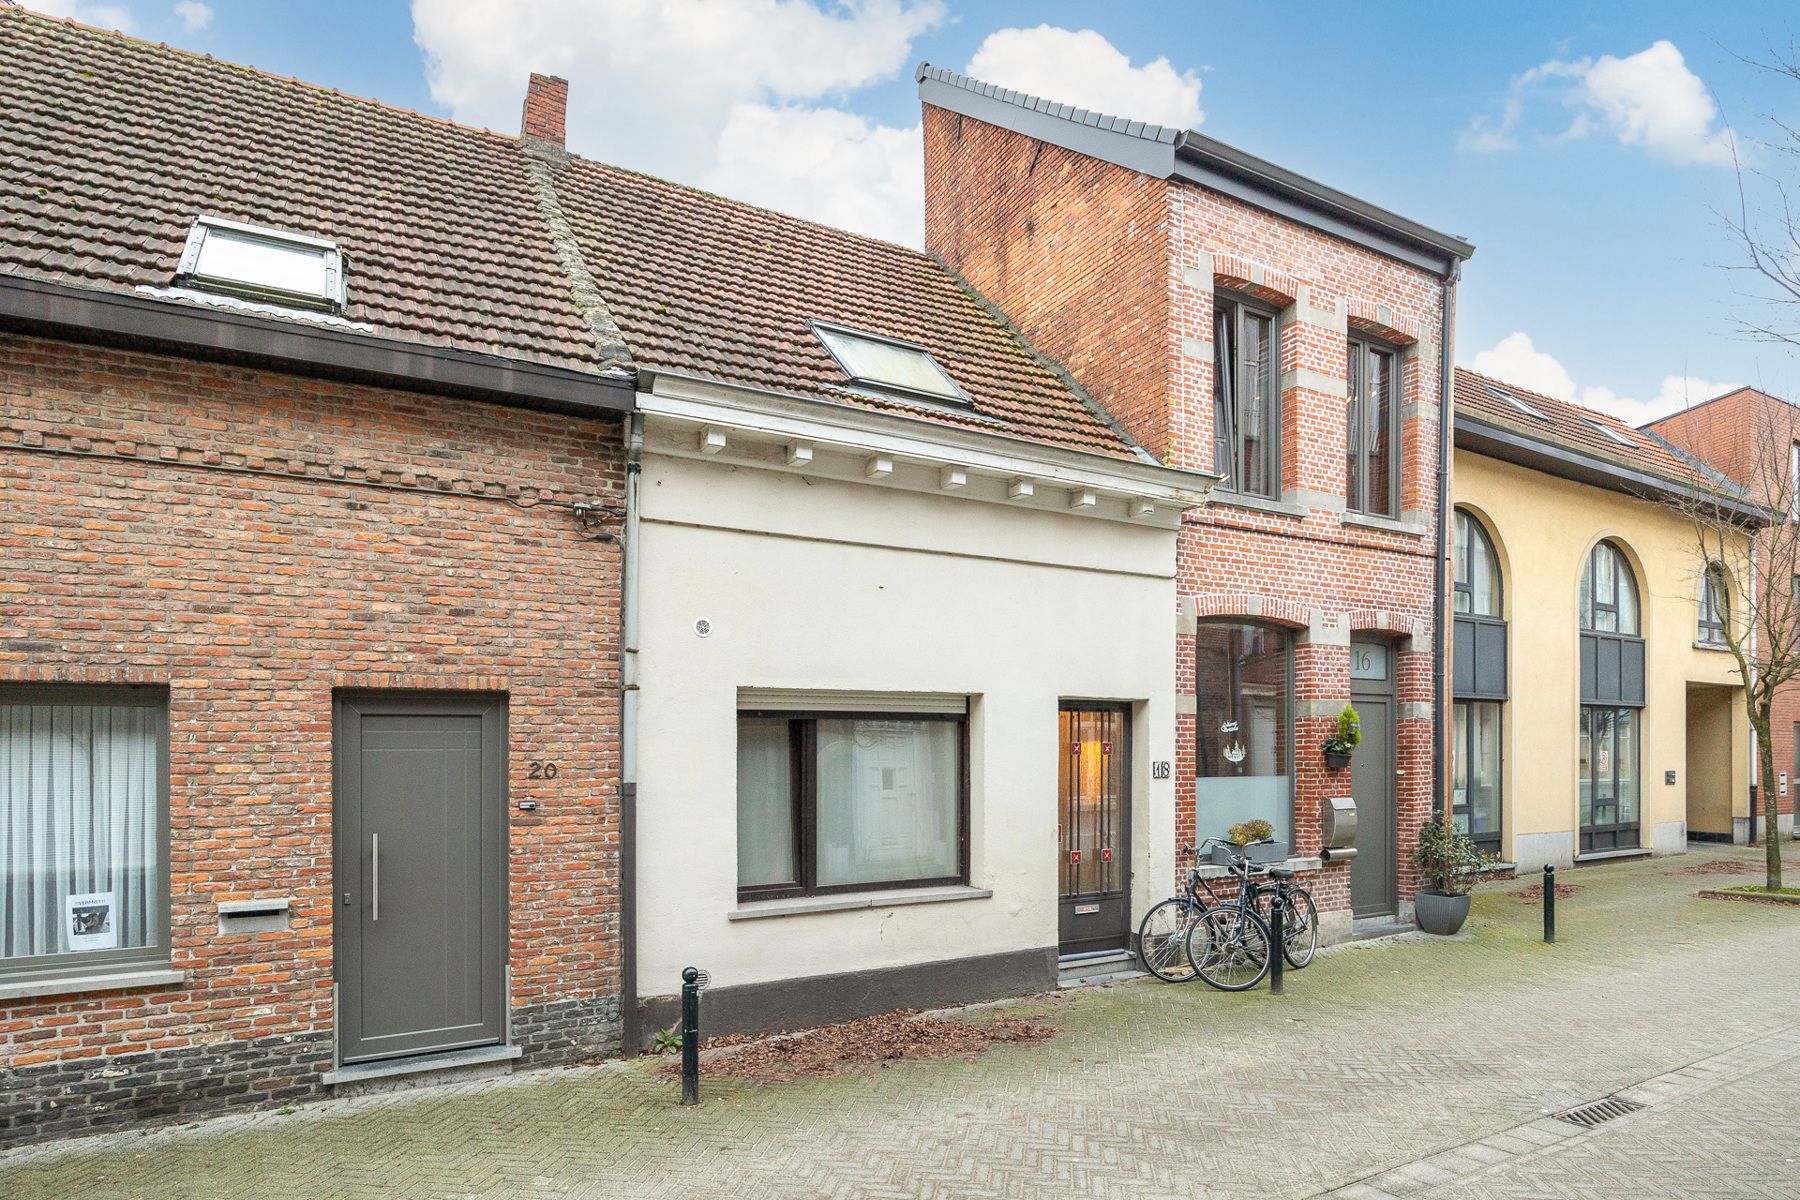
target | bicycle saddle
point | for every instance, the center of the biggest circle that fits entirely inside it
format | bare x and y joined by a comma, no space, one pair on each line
1280,873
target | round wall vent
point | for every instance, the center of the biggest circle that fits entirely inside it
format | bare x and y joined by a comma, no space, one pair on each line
702,628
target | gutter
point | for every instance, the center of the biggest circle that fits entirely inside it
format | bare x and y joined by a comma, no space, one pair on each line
1441,598
98,315
630,1036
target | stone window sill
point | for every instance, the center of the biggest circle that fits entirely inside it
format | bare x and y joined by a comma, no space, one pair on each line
69,985
1260,504
893,898
1385,524
1715,647
1293,864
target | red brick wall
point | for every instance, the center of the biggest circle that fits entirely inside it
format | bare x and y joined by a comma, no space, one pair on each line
1064,245
1068,247
207,528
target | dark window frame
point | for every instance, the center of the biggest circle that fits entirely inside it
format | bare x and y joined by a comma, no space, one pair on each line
1462,586
1588,600
1230,309
1487,841
1290,705
1362,350
803,747
81,963
1715,606
1617,834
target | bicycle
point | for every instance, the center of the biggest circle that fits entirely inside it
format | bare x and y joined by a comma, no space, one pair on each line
1228,944
1299,916
1163,933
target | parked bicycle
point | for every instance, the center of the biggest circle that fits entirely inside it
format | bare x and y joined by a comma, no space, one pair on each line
1226,942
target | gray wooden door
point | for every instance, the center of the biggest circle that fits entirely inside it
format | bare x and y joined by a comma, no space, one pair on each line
1373,888
419,838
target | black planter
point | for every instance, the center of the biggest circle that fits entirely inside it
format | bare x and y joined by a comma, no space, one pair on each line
1337,760
1440,914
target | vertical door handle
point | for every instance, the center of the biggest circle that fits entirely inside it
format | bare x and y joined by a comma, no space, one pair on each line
375,881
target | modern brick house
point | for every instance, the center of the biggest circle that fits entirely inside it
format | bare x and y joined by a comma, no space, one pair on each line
1753,439
1239,318
310,461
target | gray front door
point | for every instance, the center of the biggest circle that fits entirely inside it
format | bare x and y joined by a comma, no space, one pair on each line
420,854
1373,890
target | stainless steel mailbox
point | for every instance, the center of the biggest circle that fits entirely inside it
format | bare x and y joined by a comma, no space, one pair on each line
1338,827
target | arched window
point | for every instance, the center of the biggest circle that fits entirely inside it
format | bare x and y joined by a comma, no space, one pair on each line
1479,682
1715,605
1477,569
1609,595
1612,700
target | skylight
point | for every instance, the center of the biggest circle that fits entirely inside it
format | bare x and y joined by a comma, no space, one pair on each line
1610,432
889,365
1513,400
248,260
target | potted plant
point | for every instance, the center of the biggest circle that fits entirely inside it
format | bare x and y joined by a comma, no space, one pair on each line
1342,744
1449,866
1246,835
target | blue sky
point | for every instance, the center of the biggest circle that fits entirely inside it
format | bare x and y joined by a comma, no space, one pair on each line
1583,148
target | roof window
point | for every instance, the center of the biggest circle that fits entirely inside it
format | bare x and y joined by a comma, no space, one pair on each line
268,264
1513,400
888,364
1610,432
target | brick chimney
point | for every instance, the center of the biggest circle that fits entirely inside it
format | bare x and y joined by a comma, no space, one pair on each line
546,109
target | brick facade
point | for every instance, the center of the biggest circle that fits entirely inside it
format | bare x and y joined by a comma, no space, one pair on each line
252,542
1113,273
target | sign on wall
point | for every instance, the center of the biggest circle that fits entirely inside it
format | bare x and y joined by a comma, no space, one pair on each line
1368,661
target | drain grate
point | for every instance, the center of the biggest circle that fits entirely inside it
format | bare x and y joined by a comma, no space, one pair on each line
1599,1112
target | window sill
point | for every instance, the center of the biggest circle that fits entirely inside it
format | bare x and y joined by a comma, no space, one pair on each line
1261,504
1385,524
1292,864
1604,855
1715,647
69,985
892,898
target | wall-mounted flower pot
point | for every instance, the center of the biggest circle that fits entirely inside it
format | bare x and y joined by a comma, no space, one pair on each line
1337,760
1440,914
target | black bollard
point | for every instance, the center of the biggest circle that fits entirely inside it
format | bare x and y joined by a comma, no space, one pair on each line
1549,903
1278,934
690,1036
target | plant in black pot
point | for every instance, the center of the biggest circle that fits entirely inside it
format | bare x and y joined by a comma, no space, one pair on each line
1343,743
1449,867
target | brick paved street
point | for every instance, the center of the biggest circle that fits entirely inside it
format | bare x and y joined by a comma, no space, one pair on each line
1379,1058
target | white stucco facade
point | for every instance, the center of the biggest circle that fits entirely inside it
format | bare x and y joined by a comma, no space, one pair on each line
817,578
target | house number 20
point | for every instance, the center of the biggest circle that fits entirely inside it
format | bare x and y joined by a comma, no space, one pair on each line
541,770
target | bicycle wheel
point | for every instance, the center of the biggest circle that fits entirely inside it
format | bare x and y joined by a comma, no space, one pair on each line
1299,929
1162,940
1229,948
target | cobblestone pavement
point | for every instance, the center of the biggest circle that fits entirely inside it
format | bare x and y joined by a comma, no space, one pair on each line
1414,1066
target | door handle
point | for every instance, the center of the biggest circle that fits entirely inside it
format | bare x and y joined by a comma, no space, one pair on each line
375,880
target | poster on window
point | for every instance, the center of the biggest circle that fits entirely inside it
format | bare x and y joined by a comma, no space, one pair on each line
90,921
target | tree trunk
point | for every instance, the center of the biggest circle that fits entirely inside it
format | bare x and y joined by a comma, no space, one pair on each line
1765,754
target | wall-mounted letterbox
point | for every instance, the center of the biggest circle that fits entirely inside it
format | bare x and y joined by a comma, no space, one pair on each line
1338,828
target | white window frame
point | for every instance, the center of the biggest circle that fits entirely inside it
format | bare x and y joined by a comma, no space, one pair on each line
826,330
188,272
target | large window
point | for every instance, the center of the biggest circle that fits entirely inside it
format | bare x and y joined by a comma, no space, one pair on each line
1246,396
83,819
1477,569
1609,597
1612,694
1715,606
1372,469
1608,750
1244,736
841,802
1475,796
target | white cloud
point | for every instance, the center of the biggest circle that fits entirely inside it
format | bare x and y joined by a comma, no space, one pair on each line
1649,99
749,97
836,167
194,15
1517,361
1084,69
102,16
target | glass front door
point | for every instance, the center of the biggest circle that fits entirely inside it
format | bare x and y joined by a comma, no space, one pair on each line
1608,778
1093,846
1475,776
